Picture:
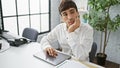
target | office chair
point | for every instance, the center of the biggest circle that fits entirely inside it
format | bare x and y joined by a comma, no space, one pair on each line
30,33
93,52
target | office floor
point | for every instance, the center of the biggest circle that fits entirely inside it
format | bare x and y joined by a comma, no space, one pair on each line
110,64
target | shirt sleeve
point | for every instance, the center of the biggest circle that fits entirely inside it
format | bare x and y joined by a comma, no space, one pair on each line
47,40
81,48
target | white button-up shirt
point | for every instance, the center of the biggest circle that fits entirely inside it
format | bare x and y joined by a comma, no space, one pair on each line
77,43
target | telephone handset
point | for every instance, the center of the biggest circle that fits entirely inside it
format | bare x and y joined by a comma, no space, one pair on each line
18,42
21,40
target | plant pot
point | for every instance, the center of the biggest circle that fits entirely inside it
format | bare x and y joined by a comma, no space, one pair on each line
101,59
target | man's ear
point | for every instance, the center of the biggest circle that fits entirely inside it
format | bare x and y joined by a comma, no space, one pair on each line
78,14
61,19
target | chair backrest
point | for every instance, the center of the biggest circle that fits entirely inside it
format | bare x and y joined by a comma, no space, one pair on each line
93,52
30,33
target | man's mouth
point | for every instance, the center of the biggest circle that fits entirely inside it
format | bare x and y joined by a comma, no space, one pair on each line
70,23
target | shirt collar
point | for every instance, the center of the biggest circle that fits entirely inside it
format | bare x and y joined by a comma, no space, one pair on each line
65,26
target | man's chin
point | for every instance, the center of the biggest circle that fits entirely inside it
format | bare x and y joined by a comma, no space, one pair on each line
71,23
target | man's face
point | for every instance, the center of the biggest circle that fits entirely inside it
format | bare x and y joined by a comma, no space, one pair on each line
69,16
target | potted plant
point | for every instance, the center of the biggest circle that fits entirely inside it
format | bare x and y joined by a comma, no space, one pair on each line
99,18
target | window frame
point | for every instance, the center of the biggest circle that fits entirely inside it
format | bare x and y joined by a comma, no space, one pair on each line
29,15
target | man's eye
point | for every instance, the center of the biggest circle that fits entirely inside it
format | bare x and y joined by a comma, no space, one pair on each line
72,12
64,14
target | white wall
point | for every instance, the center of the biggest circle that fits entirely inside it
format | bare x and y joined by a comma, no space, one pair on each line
55,16
81,4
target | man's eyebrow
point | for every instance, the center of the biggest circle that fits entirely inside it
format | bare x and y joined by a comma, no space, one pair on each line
72,9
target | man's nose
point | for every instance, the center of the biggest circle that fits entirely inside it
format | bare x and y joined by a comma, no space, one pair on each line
70,16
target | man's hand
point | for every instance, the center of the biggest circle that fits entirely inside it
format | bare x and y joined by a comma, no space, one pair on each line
51,51
74,26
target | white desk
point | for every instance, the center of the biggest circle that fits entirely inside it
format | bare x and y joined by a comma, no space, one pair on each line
4,46
22,57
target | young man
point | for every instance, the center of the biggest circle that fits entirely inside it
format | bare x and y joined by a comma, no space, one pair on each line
74,37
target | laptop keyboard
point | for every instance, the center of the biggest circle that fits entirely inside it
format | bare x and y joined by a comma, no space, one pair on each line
8,36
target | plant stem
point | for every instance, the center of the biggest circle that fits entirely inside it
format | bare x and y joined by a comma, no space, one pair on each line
101,42
108,36
105,37
105,40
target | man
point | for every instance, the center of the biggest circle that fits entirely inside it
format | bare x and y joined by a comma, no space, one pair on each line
74,37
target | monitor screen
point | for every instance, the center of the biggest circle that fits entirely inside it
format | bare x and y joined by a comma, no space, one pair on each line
1,22
1,28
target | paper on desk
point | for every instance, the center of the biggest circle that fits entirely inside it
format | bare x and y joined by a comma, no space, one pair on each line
71,64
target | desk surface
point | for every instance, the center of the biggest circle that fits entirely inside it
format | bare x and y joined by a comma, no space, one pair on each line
22,57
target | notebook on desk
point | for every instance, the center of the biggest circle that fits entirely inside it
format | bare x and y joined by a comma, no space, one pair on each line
61,57
72,64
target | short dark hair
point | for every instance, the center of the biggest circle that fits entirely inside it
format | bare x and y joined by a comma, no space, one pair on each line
64,5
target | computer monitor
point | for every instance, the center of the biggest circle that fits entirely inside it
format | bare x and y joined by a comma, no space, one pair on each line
0,24
1,21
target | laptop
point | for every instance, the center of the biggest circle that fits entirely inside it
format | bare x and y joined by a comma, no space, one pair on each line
61,57
7,35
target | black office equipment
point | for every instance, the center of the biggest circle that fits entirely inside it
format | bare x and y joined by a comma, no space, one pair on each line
14,41
0,46
17,42
0,30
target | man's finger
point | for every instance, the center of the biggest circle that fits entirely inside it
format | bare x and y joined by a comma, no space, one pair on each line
51,52
55,53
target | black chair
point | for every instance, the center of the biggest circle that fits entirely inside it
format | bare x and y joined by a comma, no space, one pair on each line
30,33
93,52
